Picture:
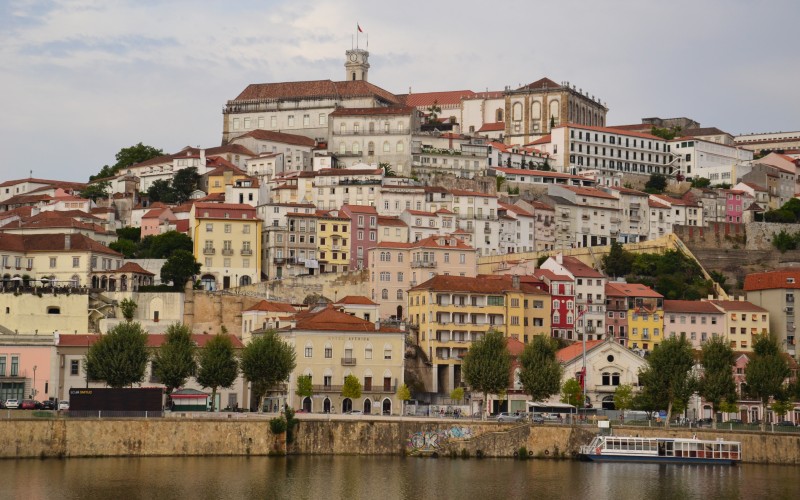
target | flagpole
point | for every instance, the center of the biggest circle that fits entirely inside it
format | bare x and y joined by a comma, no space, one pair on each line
357,26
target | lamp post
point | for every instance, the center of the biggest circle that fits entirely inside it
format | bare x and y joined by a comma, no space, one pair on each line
33,389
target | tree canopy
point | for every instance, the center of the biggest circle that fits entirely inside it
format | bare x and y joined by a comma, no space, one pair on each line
176,360
266,362
716,384
119,358
128,308
305,389
572,393
623,398
352,387
217,365
668,379
126,157
487,365
540,371
96,190
766,371
179,268
656,184
176,190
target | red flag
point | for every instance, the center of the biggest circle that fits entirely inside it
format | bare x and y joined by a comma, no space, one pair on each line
359,28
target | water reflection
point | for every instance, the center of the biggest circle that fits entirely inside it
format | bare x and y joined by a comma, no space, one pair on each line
383,478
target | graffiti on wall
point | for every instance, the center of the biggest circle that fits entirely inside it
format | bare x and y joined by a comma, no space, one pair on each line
432,440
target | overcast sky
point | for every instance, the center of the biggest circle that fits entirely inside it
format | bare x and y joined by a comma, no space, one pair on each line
81,79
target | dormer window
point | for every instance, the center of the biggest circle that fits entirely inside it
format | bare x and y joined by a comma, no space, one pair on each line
790,280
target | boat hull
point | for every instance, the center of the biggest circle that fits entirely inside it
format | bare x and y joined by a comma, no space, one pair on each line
591,457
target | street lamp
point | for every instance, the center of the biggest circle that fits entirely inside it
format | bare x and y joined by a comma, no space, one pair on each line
33,390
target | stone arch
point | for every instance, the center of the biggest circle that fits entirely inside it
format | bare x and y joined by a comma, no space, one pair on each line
516,112
555,110
498,115
386,407
307,405
536,110
367,406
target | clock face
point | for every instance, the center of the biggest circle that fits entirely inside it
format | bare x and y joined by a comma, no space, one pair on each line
354,57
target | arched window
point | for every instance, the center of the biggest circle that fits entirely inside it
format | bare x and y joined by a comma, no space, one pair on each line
400,147
386,148
399,257
356,147
498,115
556,304
554,110
342,148
385,294
371,146
536,111
516,112
308,352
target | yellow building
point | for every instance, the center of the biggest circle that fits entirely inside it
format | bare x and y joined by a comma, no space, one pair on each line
743,321
226,241
333,236
450,312
331,344
225,174
644,313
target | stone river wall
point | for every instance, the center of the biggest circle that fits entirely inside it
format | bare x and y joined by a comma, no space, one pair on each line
206,437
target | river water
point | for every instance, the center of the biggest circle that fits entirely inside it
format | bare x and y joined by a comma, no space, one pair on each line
385,478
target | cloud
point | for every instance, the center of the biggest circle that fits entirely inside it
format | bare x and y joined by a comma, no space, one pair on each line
83,78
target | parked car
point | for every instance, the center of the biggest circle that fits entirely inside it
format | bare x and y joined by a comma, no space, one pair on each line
50,404
30,404
704,422
63,405
785,423
508,417
735,421
12,404
537,419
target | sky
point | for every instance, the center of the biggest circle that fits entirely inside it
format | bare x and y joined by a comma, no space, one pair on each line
81,79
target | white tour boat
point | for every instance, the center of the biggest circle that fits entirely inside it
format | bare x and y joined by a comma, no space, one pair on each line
662,450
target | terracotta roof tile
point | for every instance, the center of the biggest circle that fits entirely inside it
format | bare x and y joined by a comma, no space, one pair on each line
445,98
272,306
332,319
690,306
569,353
314,89
772,280
631,290
737,305
356,300
282,137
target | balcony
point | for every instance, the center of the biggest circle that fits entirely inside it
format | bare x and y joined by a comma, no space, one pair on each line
348,361
209,251
336,247
318,389
386,389
615,220
246,252
283,260
487,230
430,264
227,251
584,217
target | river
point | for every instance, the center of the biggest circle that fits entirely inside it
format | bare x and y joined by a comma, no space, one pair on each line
385,478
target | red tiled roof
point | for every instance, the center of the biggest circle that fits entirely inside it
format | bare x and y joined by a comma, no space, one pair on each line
542,173
587,191
479,284
737,305
446,98
772,280
314,89
360,209
35,180
550,275
690,306
232,211
493,127
654,204
385,220
543,83
545,139
569,353
130,267
631,290
52,243
356,300
610,130
514,347
153,340
332,319
272,306
578,268
282,137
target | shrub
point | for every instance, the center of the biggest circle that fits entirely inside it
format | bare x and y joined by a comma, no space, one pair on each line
522,454
277,425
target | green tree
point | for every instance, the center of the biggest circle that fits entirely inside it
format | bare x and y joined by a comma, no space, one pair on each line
176,360
487,365
133,234
128,156
161,190
388,171
457,394
668,377
781,407
781,216
351,388
96,190
128,308
766,371
716,383
665,133
179,268
572,393
623,398
656,184
119,358
499,180
540,371
184,183
433,112
403,393
217,365
125,247
552,122
163,245
266,362
784,241
700,182
305,389
618,261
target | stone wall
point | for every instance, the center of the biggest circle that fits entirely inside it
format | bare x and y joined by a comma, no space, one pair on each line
715,235
136,437
206,312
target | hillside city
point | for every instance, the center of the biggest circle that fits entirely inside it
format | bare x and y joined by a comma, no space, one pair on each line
381,236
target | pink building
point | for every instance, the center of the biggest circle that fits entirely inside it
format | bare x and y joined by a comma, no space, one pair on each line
363,233
157,220
735,204
696,320
26,367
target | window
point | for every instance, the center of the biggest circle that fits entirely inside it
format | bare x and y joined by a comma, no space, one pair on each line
309,350
15,366
399,294
385,294
227,228
328,351
387,352
2,366
74,367
52,262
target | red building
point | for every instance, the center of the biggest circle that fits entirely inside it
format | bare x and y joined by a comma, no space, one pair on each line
562,292
363,233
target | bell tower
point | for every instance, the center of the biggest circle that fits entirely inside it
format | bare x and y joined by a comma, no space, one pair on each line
357,65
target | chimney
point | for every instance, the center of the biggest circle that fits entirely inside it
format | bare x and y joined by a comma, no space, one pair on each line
67,242
515,282
377,325
559,258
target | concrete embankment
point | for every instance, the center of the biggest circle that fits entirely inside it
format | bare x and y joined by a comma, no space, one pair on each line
250,436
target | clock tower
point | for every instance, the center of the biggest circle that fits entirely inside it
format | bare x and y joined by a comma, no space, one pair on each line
357,64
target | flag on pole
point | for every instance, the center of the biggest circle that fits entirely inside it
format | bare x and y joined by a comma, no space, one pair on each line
359,28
